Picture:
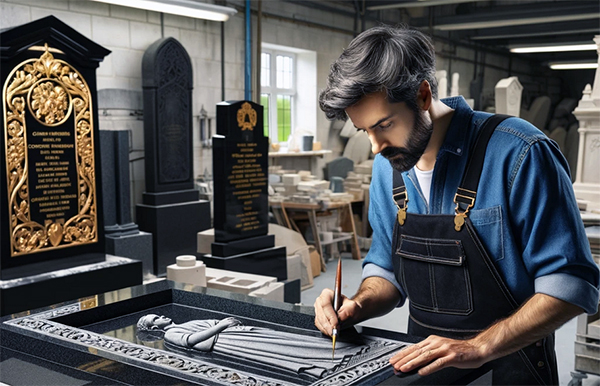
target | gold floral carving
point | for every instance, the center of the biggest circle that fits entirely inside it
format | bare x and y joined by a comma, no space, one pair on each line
52,89
49,103
246,112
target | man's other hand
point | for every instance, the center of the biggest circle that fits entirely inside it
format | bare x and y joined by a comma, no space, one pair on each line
436,353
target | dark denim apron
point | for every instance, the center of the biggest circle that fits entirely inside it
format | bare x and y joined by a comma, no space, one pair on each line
452,284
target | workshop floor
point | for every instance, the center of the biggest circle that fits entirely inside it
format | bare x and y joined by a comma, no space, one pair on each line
397,319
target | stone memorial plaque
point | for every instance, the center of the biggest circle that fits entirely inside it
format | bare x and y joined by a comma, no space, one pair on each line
162,334
240,166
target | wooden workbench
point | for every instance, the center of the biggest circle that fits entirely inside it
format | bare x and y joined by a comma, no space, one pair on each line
281,211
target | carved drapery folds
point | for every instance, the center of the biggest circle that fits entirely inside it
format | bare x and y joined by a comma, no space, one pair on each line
50,91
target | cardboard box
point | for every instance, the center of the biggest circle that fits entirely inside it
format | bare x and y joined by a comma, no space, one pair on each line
315,261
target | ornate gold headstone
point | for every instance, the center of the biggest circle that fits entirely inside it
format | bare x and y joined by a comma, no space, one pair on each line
49,149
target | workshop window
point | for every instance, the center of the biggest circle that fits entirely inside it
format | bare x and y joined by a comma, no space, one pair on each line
264,101
278,89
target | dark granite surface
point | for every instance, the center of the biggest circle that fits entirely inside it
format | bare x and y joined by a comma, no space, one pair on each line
137,246
75,338
238,247
34,291
116,180
270,260
174,230
18,369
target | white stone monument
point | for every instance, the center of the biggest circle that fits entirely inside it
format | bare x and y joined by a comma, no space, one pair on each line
442,79
508,96
454,89
587,180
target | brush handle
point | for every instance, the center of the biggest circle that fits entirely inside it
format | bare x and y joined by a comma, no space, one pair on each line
337,294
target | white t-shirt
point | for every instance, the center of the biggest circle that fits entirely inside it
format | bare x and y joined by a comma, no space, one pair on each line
424,178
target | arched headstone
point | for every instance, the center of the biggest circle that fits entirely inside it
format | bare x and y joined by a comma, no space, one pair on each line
170,209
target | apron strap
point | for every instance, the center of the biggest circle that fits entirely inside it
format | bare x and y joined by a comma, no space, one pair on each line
399,195
467,191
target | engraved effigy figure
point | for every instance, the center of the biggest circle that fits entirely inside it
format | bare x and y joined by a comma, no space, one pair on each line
302,354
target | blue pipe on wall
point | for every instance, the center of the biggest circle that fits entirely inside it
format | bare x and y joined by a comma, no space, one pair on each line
248,61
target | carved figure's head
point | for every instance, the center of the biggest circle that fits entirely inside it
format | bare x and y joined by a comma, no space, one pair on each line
153,322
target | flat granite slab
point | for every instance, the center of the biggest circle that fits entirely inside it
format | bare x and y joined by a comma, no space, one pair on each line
96,338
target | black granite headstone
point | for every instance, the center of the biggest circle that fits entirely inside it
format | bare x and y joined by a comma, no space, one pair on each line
171,209
241,201
240,168
50,198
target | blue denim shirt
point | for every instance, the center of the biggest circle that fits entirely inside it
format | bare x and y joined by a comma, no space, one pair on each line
525,214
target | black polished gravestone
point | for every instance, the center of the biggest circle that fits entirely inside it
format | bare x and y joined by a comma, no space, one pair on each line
241,201
171,209
52,228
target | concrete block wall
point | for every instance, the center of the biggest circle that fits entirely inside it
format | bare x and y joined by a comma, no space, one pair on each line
128,32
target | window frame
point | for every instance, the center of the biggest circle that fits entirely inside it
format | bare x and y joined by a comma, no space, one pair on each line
273,91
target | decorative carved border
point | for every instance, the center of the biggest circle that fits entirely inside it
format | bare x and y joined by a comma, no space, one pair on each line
50,89
158,357
38,323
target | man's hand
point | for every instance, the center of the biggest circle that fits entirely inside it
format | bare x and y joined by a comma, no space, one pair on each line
375,297
436,353
537,318
325,316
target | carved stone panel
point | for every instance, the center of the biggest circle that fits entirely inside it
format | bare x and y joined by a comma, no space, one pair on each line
167,80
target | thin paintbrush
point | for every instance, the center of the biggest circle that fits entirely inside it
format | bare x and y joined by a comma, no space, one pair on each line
337,300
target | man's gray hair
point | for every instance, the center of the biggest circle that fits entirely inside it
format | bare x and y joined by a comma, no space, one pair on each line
384,58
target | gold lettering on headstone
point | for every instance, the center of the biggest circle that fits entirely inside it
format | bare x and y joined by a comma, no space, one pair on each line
50,91
248,180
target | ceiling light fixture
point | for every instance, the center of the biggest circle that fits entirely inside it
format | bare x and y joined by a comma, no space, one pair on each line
179,7
574,66
561,48
499,22
417,3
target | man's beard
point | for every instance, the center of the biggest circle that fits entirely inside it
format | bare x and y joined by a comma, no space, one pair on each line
405,158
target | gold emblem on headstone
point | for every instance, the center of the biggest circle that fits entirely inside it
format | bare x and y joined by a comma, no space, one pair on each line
55,233
52,90
246,117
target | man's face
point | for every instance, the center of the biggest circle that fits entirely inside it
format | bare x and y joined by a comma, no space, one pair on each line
395,130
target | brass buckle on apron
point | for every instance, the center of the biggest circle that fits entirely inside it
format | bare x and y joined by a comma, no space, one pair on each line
401,199
462,196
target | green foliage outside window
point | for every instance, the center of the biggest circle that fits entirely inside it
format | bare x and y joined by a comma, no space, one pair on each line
284,117
264,101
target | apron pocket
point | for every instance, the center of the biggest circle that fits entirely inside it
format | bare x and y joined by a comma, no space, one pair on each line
434,275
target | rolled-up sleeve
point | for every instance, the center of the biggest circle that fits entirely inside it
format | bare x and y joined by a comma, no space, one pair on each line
382,212
555,249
